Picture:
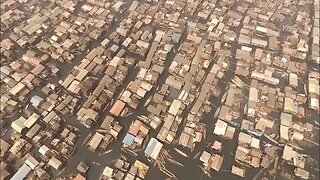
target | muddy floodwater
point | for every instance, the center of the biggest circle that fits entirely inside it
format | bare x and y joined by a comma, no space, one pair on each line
191,169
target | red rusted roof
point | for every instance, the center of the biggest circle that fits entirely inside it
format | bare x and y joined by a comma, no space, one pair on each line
117,108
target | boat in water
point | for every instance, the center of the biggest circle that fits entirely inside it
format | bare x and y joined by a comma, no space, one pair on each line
203,128
147,101
205,172
107,151
255,133
217,112
223,98
180,152
235,124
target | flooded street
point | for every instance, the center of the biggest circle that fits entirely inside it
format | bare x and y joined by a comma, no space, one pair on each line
188,166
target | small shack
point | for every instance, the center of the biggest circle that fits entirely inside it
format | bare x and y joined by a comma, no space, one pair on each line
117,108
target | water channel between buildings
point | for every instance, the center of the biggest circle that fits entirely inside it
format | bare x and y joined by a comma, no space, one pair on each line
191,169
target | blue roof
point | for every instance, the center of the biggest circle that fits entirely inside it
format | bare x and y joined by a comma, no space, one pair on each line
151,145
128,139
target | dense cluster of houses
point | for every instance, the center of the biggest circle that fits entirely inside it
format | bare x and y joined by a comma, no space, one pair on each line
75,73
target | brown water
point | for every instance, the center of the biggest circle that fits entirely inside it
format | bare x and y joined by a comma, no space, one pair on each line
191,169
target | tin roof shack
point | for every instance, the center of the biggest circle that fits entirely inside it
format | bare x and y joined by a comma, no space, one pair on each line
290,106
10,15
139,170
87,117
269,100
230,111
29,32
65,143
286,125
31,161
264,125
100,140
107,173
238,171
175,107
18,125
118,108
135,170
169,128
315,56
137,133
55,163
252,101
64,43
224,130
153,149
248,150
79,177
301,173
4,170
194,132
217,146
111,126
69,134
153,121
213,161
294,158
6,49
313,91
135,92
22,172
4,147
82,167
265,78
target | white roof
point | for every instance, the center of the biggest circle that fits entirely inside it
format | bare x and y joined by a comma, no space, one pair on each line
114,62
17,88
255,143
55,163
107,171
265,78
31,120
284,132
105,42
289,153
314,102
175,106
205,157
36,100
126,96
127,41
293,79
261,29
146,86
117,5
31,161
141,92
297,135
43,149
95,141
244,138
153,148
21,173
253,94
286,119
17,125
220,128
313,86
246,48
156,151
159,35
